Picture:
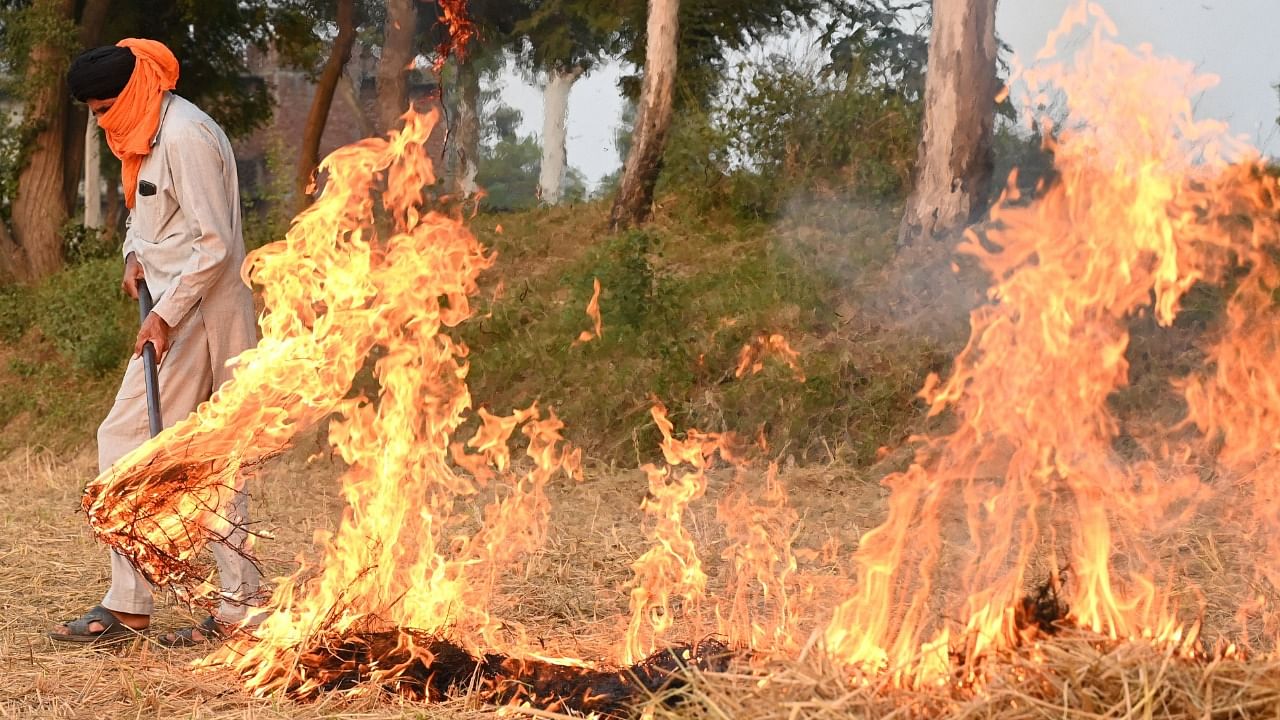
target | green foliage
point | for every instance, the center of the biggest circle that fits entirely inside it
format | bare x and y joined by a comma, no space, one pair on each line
210,39
302,30
83,313
508,172
793,130
1013,149
566,33
81,243
678,303
11,160
266,207
636,291
509,164
23,27
17,312
879,44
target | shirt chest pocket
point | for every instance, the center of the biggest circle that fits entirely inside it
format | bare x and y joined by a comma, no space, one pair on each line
150,207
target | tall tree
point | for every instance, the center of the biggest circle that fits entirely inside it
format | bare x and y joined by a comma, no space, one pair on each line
398,51
559,41
477,45
34,248
326,85
953,167
634,200
90,26
555,117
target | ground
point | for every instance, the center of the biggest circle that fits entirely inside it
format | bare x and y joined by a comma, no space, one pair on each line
710,289
572,594
572,591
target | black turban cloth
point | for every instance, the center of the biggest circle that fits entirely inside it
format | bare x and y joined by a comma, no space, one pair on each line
100,73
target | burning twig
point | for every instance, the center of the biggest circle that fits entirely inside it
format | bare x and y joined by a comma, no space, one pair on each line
1044,609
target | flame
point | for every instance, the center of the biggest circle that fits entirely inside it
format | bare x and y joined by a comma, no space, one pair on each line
670,567
763,569
453,14
339,294
1023,483
751,357
1135,218
593,312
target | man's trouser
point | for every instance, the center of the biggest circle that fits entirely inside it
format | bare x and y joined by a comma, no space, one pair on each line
186,380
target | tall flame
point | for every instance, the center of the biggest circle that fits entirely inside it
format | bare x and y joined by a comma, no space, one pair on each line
341,290
1024,483
1134,219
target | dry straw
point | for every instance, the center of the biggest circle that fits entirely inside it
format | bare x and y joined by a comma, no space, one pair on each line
570,595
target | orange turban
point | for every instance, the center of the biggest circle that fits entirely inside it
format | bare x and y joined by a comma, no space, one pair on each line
132,121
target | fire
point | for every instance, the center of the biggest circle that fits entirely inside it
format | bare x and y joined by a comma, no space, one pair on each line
758,610
671,567
1023,489
1139,214
593,312
453,14
339,294
751,357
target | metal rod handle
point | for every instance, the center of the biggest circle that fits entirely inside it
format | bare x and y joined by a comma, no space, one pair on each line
149,373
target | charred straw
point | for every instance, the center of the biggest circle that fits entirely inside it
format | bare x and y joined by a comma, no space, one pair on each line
426,667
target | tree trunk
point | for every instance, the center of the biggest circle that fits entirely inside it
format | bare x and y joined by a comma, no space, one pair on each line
466,132
339,54
92,176
953,165
351,98
114,221
555,109
40,207
634,202
393,68
93,18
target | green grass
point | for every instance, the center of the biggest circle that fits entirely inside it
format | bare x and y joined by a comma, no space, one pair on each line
680,299
63,347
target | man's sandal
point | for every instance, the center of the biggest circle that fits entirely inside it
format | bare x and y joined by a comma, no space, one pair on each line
113,629
186,637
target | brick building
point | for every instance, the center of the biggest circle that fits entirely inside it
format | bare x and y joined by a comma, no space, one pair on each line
267,159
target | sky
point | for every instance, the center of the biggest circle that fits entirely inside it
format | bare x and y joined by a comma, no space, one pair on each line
1237,40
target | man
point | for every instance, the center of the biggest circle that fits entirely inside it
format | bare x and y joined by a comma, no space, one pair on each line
184,239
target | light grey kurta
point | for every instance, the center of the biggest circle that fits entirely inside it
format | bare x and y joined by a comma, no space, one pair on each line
188,236
185,231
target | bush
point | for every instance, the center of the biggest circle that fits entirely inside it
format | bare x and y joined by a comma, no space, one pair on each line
82,311
16,312
679,301
81,243
623,265
792,129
